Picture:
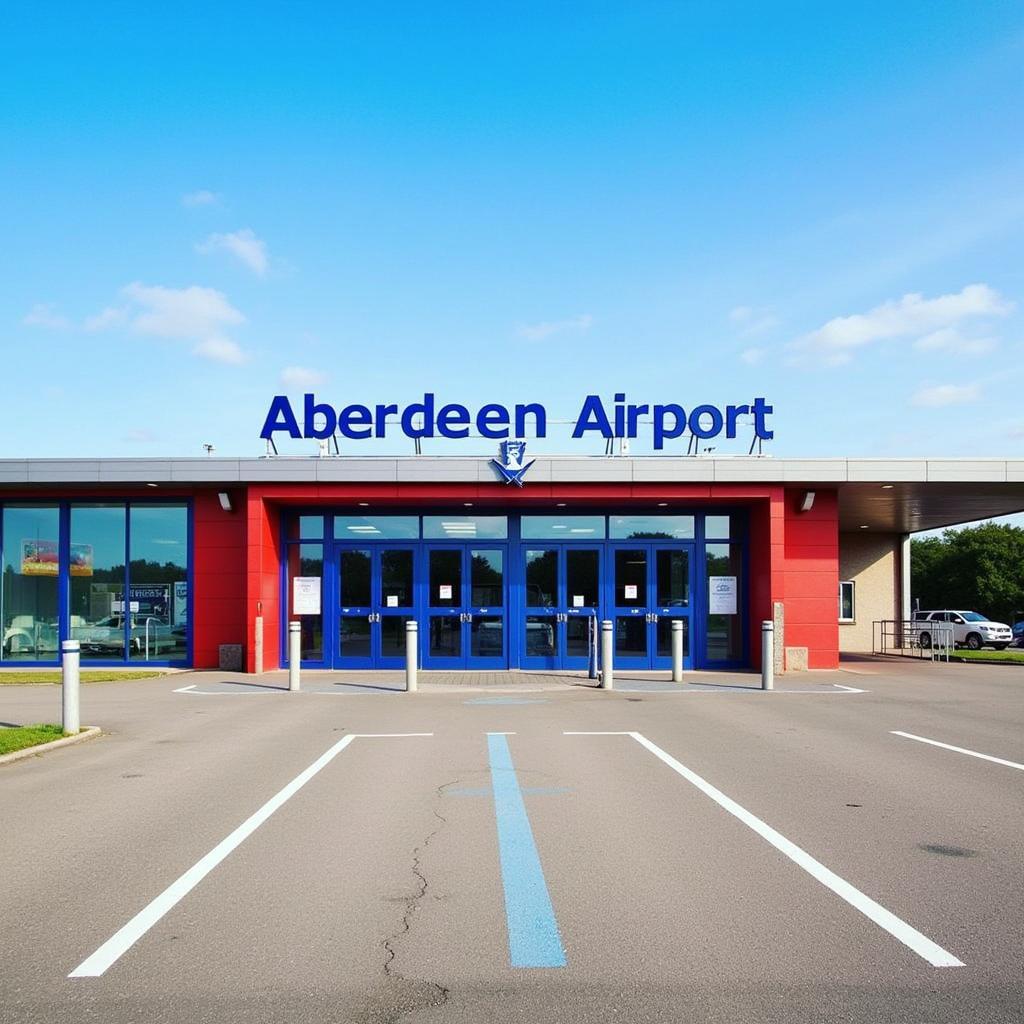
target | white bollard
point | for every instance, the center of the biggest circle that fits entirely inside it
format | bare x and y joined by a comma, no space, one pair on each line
70,655
412,645
257,645
767,655
607,647
678,625
294,656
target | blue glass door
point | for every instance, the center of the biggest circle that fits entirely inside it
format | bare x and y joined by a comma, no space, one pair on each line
354,648
376,594
650,587
561,604
466,607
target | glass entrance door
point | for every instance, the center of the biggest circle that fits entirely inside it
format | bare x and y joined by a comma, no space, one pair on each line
651,586
562,596
376,597
466,607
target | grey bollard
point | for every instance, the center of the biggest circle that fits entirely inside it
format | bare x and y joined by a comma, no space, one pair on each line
592,632
69,661
412,644
767,655
678,625
294,656
607,647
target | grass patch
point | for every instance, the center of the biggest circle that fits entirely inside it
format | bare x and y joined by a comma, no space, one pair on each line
1015,657
22,736
49,678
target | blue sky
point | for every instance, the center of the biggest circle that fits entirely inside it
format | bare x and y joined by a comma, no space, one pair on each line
821,204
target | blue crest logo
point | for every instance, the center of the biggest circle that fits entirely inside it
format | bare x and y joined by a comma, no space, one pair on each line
511,462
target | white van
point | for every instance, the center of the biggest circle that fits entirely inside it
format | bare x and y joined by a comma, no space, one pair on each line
970,629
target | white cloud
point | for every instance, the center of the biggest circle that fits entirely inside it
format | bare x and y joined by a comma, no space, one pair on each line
749,320
195,314
112,316
43,315
202,197
301,377
752,356
538,332
243,245
908,317
949,339
946,394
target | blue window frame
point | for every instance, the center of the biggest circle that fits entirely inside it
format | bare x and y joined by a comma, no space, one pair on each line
122,585
537,624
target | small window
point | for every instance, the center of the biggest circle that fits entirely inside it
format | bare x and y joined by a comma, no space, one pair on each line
847,604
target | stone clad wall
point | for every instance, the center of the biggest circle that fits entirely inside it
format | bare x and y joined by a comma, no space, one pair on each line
871,560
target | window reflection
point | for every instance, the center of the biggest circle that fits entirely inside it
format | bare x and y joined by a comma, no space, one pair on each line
29,587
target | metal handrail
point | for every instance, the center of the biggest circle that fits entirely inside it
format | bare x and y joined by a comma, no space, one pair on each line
903,637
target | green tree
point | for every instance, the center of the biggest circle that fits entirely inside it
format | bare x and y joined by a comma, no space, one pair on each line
980,568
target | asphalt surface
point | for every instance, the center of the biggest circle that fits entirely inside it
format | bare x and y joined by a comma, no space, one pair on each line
376,891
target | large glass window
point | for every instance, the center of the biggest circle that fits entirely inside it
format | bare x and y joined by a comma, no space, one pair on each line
562,527
29,588
651,527
305,527
158,597
456,527
725,576
307,560
542,578
376,527
99,617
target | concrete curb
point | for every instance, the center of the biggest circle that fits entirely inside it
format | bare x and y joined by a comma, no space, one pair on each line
88,733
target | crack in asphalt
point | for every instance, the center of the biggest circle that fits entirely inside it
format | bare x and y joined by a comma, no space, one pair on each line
440,993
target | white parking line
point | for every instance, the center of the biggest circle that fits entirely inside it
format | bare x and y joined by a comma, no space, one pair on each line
119,943
958,750
909,936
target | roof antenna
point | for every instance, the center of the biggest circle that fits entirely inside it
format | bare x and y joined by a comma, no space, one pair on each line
209,449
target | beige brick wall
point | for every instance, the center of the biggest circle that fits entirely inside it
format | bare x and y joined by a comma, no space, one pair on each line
871,560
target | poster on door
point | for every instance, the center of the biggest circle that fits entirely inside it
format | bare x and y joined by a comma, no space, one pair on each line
630,592
306,595
444,592
722,595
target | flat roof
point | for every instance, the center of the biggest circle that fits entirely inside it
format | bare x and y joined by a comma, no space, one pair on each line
925,493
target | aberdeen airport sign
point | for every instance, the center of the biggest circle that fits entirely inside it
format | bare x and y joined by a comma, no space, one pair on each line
321,420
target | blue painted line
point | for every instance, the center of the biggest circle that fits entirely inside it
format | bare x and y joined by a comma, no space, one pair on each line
526,791
533,938
504,700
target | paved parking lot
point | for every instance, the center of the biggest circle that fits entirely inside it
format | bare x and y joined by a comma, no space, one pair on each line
847,849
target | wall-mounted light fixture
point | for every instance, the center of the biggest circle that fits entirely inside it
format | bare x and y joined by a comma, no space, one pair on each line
808,503
225,501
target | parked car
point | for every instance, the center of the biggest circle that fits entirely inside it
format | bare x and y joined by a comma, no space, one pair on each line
1018,634
970,629
106,637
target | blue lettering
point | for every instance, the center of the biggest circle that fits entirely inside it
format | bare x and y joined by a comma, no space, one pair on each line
661,432
592,417
492,421
760,409
716,422
355,421
424,409
540,420
312,410
280,417
453,421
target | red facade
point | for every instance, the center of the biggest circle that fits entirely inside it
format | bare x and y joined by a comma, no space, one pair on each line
794,555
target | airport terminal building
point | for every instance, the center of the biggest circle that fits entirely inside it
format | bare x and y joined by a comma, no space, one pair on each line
505,563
